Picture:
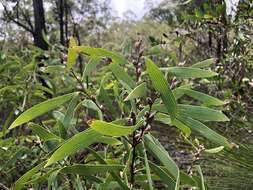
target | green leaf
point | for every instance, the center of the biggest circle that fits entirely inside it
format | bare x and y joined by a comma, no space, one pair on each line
10,88
148,173
161,85
204,131
204,64
139,91
40,109
189,72
163,175
43,133
122,76
206,99
178,93
214,150
72,55
111,129
110,140
107,101
7,122
91,105
155,107
113,174
187,180
21,182
76,143
156,149
90,66
88,169
53,69
70,111
186,130
99,52
164,118
201,177
177,181
14,157
202,113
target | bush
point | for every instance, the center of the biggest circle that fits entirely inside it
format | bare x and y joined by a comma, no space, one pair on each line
97,130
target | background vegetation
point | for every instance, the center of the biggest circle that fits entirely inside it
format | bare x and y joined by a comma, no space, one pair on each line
91,101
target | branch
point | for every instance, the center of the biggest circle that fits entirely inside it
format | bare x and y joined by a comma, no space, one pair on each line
7,13
2,186
28,19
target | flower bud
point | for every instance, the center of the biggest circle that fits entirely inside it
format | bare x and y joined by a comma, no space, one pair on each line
146,114
132,115
149,101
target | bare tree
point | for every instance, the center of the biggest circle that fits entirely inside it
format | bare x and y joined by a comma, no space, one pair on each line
23,18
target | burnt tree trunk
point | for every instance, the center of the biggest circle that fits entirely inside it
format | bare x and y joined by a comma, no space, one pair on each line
66,21
61,20
39,25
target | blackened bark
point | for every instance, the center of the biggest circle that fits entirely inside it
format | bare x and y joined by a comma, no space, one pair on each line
61,21
77,36
210,40
66,20
39,25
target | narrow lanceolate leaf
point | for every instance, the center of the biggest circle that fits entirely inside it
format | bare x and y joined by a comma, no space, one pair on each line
99,52
189,72
72,54
43,133
164,118
72,42
104,97
214,150
22,181
148,173
76,143
206,99
113,174
91,105
177,181
10,87
186,130
204,131
139,91
161,85
156,149
204,64
71,60
41,109
178,93
70,111
90,66
122,76
111,129
202,113
109,140
87,169
201,177
163,175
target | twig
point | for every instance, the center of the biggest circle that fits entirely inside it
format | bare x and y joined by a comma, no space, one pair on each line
2,186
84,91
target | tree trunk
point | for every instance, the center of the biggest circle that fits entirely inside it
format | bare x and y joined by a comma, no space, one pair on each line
66,21
39,25
61,21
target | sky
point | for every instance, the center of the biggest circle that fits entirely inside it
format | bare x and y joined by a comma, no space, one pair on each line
121,6
137,6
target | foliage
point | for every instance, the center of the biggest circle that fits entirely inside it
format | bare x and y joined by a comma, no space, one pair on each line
112,131
135,111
